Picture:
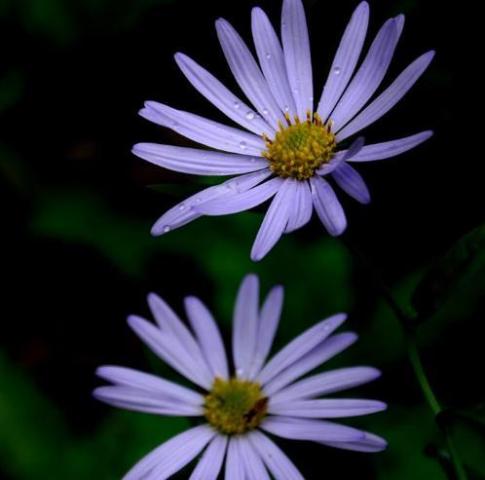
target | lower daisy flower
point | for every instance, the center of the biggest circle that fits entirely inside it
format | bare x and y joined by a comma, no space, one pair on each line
290,145
242,407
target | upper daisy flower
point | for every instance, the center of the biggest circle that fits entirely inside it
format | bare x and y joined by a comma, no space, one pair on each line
256,397
290,143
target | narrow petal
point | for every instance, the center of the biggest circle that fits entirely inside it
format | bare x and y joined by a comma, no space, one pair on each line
143,401
247,73
198,162
342,156
168,320
311,430
240,202
387,99
203,130
280,466
327,206
381,151
210,464
221,97
326,383
149,383
351,182
167,348
245,324
253,464
274,222
320,354
370,443
368,77
272,60
208,336
296,47
345,60
299,347
185,212
268,324
327,408
234,461
172,455
302,207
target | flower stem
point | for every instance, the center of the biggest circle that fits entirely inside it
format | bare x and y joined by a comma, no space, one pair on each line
409,324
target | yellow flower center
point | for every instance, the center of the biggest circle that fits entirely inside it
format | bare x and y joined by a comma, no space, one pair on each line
299,148
235,406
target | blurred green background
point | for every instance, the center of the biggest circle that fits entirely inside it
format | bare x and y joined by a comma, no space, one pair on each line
77,257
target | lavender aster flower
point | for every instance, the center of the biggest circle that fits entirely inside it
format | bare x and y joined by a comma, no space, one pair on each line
287,148
240,409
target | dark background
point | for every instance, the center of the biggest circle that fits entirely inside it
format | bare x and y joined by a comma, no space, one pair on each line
77,258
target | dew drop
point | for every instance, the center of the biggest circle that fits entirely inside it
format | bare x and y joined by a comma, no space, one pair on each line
242,145
166,228
239,372
198,200
182,207
268,55
237,105
265,111
337,70
250,115
287,108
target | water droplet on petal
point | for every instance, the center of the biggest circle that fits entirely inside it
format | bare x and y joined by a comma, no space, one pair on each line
250,115
166,228
287,108
239,372
243,145
198,200
265,111
337,70
268,55
182,207
236,105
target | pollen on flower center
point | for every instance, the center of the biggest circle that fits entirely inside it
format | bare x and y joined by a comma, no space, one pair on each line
299,148
235,406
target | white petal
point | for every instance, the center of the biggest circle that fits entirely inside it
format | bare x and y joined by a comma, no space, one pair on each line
166,346
268,324
326,383
299,347
345,60
208,335
186,211
221,97
234,461
172,455
149,383
296,47
277,462
245,324
351,182
210,464
253,464
387,99
274,222
198,162
203,130
247,73
381,151
272,60
328,207
301,208
368,77
320,354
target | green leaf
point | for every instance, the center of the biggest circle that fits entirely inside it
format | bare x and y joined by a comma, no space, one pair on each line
461,262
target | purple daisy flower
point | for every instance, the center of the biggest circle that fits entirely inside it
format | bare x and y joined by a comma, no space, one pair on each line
241,408
287,147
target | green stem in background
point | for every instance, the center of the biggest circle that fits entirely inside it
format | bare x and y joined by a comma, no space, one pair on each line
408,321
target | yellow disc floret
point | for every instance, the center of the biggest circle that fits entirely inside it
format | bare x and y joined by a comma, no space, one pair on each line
299,148
235,406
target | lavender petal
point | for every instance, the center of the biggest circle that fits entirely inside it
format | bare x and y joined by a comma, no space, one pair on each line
351,182
210,464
